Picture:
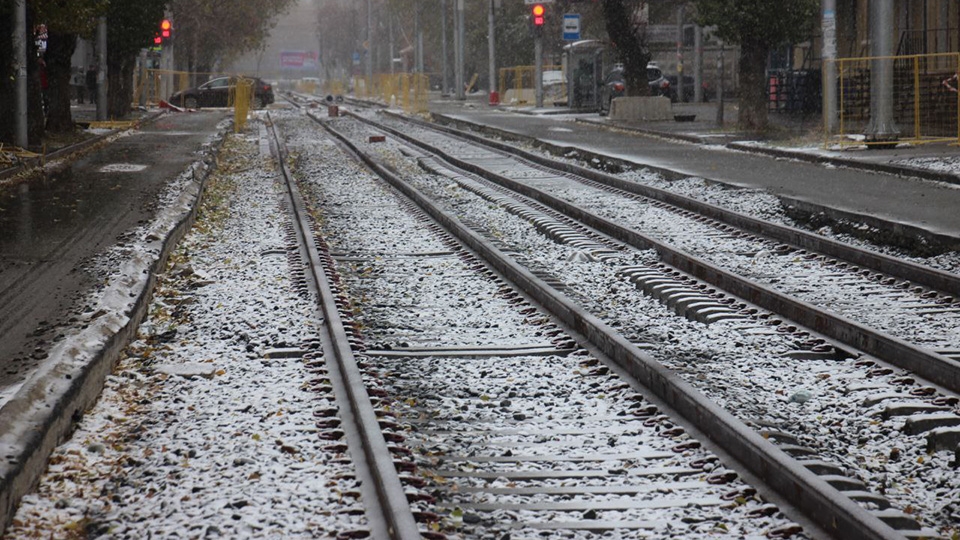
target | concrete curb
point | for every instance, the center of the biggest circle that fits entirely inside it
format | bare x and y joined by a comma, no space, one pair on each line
48,405
782,153
885,168
72,149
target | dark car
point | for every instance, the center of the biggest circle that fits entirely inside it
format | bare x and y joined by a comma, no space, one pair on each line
688,88
614,86
216,93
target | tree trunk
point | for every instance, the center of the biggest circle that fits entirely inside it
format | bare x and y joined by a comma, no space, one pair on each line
120,89
630,45
35,120
753,87
60,49
8,91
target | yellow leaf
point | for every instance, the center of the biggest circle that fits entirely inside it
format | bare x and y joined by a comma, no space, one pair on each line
256,436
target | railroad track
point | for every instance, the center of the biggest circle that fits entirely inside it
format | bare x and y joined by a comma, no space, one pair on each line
920,414
508,428
882,387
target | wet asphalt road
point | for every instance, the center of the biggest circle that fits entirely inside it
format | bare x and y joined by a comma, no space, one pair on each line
50,228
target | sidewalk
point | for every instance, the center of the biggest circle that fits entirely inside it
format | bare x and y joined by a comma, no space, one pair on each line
841,186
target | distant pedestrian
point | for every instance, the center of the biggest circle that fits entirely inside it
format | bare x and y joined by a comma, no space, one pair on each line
92,84
79,84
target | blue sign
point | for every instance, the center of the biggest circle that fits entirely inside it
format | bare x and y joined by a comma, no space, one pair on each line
571,27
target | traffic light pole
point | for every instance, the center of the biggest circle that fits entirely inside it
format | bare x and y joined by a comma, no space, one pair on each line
538,63
20,62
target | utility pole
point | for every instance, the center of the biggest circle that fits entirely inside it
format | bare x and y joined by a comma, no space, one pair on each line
829,27
720,66
102,69
698,64
368,84
492,52
538,66
443,39
882,127
461,91
392,51
21,133
418,29
680,53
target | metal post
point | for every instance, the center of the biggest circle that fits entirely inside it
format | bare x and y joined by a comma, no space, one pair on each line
102,69
698,64
829,27
142,78
461,50
368,84
443,54
680,53
538,66
492,53
21,133
418,60
720,74
882,127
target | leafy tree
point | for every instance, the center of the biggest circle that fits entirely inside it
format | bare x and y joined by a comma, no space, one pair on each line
757,26
628,37
65,21
209,33
131,24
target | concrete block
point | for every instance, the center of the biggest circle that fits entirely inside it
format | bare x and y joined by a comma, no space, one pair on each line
643,108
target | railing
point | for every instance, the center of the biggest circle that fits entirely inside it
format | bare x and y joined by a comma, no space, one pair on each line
406,90
924,110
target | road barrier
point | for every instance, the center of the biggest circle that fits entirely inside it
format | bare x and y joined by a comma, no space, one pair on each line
241,99
924,109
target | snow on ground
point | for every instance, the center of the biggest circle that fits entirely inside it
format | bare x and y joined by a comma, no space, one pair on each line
410,290
741,370
199,433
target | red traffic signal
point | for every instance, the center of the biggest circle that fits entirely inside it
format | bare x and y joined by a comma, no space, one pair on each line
537,13
165,27
157,40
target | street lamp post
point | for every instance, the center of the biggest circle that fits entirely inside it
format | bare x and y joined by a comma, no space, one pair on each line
20,62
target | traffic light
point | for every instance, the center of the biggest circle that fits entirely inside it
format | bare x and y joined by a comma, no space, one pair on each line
166,27
537,14
157,40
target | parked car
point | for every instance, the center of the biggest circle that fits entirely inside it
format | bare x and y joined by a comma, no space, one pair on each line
614,86
216,93
708,93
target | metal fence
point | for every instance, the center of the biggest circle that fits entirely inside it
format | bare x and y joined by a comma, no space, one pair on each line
158,84
925,110
516,84
406,90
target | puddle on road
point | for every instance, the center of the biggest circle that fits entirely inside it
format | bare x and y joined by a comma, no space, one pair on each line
37,216
122,167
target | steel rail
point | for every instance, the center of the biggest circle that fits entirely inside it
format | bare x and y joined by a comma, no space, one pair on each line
391,501
917,273
928,364
820,502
